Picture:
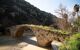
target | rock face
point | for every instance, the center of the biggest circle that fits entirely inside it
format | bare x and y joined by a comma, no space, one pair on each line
15,12
44,38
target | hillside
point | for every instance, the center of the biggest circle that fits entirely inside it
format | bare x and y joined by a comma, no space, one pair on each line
15,12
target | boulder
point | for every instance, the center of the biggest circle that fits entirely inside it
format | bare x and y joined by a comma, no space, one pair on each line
43,39
55,45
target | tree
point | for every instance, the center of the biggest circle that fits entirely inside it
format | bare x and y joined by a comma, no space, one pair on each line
62,11
76,22
76,8
63,22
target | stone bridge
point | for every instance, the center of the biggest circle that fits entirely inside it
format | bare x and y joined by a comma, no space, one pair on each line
45,35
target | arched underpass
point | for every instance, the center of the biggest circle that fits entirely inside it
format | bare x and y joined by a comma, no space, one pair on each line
45,35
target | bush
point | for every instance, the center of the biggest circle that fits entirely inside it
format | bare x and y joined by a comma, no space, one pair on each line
72,44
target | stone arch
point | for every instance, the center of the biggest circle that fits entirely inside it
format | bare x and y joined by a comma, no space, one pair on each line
20,31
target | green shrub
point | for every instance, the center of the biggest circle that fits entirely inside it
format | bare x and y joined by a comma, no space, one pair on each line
72,44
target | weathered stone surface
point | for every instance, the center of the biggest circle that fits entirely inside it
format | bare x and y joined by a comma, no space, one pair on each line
18,31
44,36
55,45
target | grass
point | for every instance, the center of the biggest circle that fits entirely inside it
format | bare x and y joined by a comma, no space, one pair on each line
48,29
73,43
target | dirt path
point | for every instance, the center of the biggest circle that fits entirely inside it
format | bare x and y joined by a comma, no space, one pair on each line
25,43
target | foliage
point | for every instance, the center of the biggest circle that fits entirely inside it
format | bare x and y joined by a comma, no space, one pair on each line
48,28
16,12
73,43
76,7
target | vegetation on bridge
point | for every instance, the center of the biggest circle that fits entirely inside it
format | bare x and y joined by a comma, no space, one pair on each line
52,29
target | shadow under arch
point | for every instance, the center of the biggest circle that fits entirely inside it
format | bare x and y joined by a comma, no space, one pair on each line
20,31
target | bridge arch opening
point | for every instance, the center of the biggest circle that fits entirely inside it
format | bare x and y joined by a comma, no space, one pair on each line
23,31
